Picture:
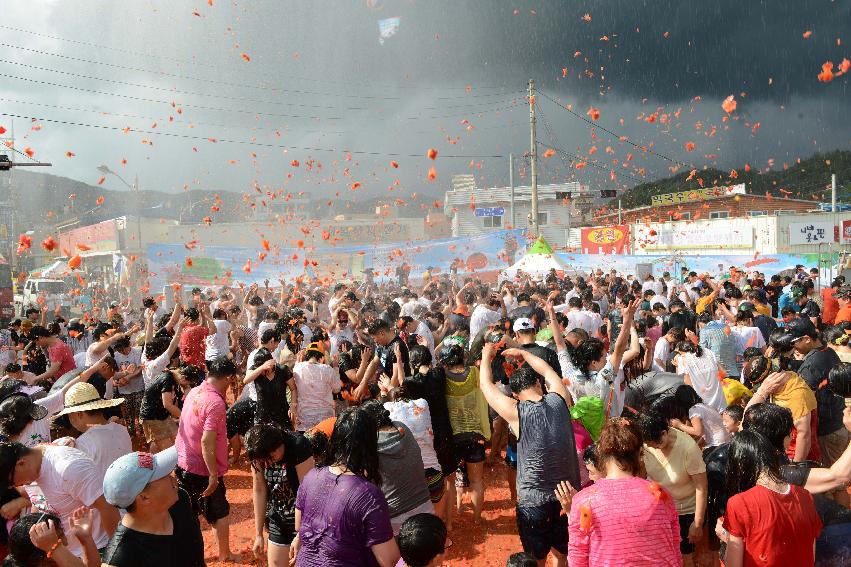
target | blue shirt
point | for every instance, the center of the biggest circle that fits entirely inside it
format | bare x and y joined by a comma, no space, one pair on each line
722,345
785,300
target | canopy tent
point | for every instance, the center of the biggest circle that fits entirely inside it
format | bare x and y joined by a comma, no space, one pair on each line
56,269
537,262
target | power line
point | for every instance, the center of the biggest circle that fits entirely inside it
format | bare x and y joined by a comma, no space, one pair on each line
168,120
264,87
211,94
240,111
646,149
241,142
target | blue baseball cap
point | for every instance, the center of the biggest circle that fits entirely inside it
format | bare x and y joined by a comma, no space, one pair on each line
128,476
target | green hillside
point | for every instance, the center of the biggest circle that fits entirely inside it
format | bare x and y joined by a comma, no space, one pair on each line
808,179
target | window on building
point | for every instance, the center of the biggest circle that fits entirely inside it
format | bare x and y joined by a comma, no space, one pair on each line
492,222
785,212
719,215
757,213
544,218
684,216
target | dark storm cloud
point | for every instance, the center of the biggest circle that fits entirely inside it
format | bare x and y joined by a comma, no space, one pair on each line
320,78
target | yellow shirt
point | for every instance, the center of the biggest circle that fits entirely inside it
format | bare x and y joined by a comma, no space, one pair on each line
674,471
763,309
468,410
703,302
795,396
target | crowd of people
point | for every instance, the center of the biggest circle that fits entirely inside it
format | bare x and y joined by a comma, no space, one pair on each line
672,420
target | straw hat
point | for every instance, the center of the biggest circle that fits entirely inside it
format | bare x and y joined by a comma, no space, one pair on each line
85,397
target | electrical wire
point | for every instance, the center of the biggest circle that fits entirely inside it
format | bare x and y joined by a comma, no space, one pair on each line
215,95
645,149
170,120
248,85
240,111
241,142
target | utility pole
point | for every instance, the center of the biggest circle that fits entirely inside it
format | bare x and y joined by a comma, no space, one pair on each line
620,213
833,193
511,183
533,155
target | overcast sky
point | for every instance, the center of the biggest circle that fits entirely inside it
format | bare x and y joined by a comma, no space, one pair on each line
316,77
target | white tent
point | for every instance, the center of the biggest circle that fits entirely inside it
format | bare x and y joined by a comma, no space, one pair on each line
537,262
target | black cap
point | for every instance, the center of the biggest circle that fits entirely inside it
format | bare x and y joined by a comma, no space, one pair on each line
800,328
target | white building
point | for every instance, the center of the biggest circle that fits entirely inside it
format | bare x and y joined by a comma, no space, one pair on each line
476,211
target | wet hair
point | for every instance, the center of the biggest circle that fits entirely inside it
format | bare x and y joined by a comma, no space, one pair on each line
156,346
836,336
690,347
589,455
839,380
521,559
419,356
750,454
260,442
736,413
686,398
100,331
221,367
377,326
705,317
376,409
122,343
22,552
780,341
270,335
652,426
621,440
757,369
192,314
318,443
13,368
148,302
15,414
772,421
751,352
589,351
451,355
522,379
354,445
421,539
220,314
262,355
191,373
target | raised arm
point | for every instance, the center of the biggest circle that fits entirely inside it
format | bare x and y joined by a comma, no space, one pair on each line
505,406
539,365
558,337
620,344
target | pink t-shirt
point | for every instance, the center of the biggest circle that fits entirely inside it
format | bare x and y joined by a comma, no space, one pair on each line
203,410
61,353
643,533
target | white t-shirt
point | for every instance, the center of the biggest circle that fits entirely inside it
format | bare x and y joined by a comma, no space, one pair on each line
69,479
347,334
713,426
39,431
481,318
316,384
661,351
137,384
416,415
659,299
656,286
151,368
104,444
596,321
218,344
578,319
703,372
91,356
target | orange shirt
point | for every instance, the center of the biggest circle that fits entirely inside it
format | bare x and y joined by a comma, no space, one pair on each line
843,315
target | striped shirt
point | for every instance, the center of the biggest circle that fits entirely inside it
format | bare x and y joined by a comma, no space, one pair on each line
629,525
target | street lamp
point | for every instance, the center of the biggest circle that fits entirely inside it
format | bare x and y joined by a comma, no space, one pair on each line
105,169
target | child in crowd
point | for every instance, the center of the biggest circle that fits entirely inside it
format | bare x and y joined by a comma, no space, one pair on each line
422,540
731,417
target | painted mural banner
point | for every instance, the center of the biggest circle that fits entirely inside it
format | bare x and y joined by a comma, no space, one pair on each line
215,265
715,265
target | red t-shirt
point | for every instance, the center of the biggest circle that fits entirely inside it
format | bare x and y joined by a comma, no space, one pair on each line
192,345
831,306
61,353
778,529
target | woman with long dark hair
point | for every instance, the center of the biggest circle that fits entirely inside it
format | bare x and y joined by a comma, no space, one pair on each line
768,521
400,462
341,516
279,462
